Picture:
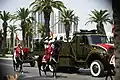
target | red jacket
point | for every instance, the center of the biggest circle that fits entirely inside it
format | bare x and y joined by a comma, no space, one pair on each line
48,53
18,51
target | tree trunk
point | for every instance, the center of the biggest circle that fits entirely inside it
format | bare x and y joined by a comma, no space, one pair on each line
67,31
1,40
4,37
23,25
100,28
12,36
47,23
116,16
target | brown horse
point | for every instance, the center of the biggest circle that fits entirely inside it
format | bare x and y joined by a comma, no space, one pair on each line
46,66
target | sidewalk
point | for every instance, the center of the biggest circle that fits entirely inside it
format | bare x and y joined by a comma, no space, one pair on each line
7,57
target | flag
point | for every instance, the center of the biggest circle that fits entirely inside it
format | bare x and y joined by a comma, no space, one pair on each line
51,35
17,37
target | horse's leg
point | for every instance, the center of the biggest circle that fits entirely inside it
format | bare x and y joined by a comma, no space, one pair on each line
54,71
106,77
17,64
39,63
14,65
39,68
45,68
45,72
111,77
40,71
21,67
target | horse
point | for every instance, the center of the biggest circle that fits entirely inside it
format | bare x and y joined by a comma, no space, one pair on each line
48,66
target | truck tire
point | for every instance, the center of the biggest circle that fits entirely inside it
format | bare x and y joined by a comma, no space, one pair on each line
97,68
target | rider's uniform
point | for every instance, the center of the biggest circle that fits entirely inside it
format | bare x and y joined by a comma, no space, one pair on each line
48,53
17,54
18,51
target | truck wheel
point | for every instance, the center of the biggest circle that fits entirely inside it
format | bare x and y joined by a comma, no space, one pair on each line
96,68
32,64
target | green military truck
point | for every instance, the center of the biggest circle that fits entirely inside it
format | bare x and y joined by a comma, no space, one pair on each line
87,49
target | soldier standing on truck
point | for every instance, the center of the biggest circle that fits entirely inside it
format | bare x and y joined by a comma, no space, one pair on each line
56,47
60,42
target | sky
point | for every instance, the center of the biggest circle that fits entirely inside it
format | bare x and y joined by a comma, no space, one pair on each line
81,8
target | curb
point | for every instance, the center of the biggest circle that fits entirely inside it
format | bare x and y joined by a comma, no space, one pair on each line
6,58
9,57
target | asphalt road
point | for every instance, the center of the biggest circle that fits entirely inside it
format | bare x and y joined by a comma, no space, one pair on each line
31,73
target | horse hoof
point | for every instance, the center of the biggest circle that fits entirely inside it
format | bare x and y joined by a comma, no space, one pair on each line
22,73
54,77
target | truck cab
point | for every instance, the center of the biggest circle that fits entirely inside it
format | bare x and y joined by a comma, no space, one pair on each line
87,49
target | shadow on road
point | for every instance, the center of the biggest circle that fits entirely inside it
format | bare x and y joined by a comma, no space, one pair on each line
84,72
41,77
26,72
26,66
87,72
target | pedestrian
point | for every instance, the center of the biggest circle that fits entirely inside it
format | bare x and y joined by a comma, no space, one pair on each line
111,69
60,44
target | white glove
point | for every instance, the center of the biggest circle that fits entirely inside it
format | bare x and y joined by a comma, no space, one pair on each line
51,52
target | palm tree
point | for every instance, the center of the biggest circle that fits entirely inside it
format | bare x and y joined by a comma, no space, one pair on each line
29,32
46,6
5,16
76,19
1,40
67,17
42,30
12,29
99,17
24,16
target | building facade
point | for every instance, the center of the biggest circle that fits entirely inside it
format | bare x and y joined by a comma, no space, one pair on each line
81,8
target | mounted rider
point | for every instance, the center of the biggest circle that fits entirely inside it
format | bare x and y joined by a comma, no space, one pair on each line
17,56
48,52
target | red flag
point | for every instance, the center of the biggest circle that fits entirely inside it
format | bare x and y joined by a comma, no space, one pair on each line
51,34
17,37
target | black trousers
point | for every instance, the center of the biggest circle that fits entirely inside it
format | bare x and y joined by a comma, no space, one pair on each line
19,62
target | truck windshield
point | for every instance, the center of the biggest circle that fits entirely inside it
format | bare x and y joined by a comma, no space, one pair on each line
95,39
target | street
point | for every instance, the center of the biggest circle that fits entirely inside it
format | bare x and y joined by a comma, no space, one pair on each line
31,73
